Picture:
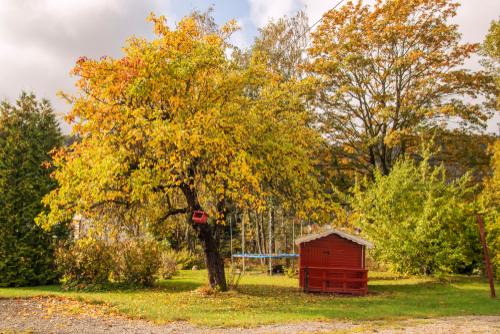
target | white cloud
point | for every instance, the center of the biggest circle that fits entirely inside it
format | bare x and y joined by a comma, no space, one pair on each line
263,10
240,37
40,40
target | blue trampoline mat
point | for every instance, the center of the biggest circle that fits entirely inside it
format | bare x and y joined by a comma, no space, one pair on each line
266,256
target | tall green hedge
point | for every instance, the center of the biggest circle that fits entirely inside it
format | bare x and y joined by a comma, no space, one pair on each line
28,131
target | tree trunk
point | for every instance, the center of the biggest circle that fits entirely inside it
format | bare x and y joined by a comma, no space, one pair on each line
286,243
213,259
283,234
252,241
257,235
273,228
177,236
263,235
186,237
210,240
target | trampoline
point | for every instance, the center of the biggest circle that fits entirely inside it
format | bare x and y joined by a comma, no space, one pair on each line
259,256
267,256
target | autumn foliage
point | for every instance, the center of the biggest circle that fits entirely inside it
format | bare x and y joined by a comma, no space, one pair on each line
169,127
177,126
393,74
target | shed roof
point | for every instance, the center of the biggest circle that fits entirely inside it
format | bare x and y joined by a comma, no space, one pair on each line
327,230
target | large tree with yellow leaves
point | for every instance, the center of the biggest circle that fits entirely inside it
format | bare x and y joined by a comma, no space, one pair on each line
169,126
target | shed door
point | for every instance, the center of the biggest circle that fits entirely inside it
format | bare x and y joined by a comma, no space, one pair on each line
318,257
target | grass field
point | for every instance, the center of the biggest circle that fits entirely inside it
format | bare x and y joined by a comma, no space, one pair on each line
261,299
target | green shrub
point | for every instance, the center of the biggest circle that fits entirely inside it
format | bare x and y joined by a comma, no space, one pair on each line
168,266
200,255
87,261
186,259
138,261
292,272
233,279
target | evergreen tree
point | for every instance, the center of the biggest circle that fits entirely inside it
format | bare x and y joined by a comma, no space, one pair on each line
28,132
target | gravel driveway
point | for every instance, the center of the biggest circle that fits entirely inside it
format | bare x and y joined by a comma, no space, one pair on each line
44,316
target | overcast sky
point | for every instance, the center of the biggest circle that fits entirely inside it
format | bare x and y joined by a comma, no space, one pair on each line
40,40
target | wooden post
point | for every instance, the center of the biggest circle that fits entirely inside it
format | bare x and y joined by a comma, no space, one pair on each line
324,281
306,279
243,240
365,276
486,256
362,257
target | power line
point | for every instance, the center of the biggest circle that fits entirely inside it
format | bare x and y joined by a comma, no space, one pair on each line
308,30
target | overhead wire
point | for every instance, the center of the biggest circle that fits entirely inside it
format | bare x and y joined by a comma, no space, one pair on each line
288,91
298,38
308,30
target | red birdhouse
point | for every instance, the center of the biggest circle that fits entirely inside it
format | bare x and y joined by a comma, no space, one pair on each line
200,217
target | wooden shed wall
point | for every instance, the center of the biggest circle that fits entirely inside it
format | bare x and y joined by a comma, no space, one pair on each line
343,253
331,251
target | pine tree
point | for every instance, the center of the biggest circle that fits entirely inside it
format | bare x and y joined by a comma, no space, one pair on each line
28,131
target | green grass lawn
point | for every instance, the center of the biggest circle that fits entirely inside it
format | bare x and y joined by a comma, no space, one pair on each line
261,299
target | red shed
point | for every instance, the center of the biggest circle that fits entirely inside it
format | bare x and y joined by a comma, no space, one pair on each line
331,260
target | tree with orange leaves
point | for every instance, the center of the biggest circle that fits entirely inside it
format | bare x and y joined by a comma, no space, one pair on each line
391,75
169,126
